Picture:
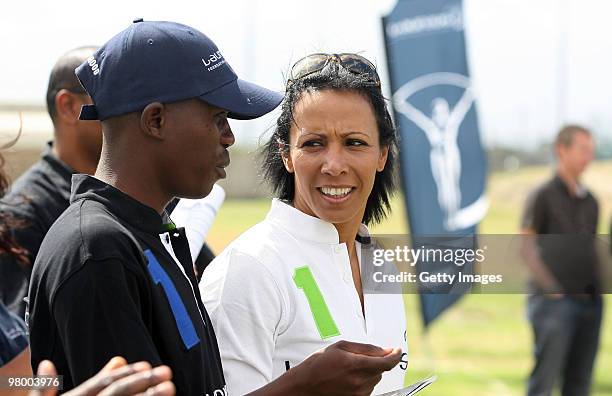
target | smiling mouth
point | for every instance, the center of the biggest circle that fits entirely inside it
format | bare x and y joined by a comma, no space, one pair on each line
335,193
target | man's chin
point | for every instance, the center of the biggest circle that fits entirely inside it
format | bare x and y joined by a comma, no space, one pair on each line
197,193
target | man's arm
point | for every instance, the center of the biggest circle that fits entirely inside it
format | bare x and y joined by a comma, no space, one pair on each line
342,369
98,316
533,223
541,274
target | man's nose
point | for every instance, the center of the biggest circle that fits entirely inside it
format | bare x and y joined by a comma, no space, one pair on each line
227,136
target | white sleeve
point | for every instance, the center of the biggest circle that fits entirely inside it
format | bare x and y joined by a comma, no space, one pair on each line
197,216
246,308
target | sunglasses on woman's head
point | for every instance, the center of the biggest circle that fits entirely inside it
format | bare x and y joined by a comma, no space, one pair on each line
354,63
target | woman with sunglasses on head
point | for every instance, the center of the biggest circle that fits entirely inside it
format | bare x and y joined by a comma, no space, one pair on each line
293,283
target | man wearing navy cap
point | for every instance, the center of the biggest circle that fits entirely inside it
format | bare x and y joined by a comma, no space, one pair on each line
113,275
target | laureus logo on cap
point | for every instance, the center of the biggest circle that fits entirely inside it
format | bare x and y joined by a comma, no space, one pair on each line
214,59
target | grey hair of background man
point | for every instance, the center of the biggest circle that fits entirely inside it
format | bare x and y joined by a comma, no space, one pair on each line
566,134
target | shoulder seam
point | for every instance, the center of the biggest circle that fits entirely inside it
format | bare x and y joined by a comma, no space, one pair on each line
285,305
79,268
85,258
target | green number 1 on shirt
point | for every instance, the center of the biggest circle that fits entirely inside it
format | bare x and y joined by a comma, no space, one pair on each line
320,312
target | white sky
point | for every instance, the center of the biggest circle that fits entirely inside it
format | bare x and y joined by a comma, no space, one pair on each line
523,54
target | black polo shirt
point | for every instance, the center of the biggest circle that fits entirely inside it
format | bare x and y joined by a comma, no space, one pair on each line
567,225
110,281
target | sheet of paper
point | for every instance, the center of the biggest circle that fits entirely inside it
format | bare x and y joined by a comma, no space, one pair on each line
412,389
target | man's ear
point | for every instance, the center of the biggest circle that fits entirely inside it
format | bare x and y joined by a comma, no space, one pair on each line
152,120
67,107
284,150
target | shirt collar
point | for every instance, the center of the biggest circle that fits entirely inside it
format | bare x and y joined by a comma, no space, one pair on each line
133,212
581,190
307,227
61,169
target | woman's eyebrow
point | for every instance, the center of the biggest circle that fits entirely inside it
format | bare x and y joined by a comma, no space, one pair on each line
303,132
349,133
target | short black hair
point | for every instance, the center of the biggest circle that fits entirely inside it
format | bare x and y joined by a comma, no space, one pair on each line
62,75
333,77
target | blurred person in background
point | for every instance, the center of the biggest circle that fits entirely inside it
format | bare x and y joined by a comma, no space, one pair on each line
294,283
42,193
565,305
14,351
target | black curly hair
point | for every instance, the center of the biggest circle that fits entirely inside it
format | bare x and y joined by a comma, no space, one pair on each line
8,245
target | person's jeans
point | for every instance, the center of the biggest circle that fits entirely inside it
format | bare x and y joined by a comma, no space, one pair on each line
566,333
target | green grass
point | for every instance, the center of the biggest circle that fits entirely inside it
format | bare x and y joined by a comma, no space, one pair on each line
481,346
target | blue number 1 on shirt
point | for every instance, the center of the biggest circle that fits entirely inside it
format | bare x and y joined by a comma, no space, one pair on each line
181,316
320,312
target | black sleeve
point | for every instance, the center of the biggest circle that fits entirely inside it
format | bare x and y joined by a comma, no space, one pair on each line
99,314
534,214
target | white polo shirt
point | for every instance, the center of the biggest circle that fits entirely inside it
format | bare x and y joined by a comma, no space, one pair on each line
283,290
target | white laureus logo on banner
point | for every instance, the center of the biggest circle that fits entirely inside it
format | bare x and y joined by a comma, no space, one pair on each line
442,129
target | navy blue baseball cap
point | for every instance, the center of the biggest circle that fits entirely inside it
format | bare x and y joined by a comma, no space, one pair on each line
166,62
